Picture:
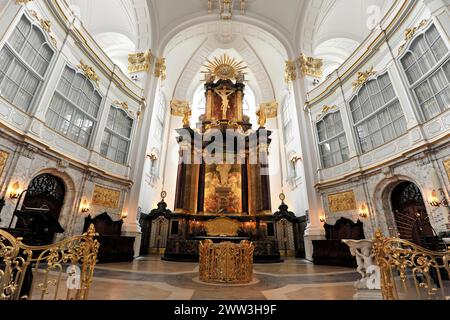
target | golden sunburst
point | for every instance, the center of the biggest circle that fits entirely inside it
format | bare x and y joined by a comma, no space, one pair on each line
225,67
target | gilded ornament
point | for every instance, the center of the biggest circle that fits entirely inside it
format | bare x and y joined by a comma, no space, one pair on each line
122,104
140,62
224,68
410,33
107,198
325,110
222,227
3,159
89,72
23,1
226,262
310,66
290,72
160,68
362,78
341,202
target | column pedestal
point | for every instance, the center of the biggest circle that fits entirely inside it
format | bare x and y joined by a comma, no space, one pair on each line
133,229
312,233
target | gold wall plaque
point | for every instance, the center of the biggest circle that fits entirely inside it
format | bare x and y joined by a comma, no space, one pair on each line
3,159
344,201
446,166
222,227
105,197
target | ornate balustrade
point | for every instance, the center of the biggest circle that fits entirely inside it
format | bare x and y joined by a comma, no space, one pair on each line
226,262
411,272
35,273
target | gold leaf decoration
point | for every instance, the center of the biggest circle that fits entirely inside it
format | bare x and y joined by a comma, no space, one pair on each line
105,197
225,68
341,202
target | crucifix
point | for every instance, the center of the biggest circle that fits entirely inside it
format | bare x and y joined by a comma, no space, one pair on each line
224,94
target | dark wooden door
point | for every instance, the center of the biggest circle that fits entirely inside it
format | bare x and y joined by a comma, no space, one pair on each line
410,213
46,191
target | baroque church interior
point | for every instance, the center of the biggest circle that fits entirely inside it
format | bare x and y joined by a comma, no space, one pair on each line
224,149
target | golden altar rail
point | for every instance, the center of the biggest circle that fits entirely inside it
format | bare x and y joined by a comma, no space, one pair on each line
410,272
60,271
226,262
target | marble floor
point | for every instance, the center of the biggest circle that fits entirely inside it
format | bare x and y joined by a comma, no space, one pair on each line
150,278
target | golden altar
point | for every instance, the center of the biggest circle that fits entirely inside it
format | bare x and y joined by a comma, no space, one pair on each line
226,262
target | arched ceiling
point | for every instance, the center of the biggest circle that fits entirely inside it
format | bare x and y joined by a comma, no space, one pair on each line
269,31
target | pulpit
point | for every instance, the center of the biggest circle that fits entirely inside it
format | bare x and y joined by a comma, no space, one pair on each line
226,262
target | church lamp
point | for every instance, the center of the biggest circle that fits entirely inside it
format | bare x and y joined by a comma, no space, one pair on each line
15,190
124,215
84,207
435,202
364,211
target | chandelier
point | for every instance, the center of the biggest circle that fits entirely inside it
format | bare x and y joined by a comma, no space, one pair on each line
226,7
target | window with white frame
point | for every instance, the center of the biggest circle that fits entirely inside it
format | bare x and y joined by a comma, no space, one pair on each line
117,136
24,61
427,66
74,108
287,120
158,132
333,146
377,114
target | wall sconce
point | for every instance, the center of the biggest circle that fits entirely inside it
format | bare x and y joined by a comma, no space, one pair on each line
15,191
152,156
364,211
124,215
296,159
323,219
84,207
435,202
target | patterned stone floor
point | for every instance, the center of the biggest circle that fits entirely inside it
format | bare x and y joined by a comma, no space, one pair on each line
150,278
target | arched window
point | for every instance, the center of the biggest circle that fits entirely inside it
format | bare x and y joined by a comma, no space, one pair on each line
333,144
73,111
377,114
117,136
24,61
427,66
158,132
287,120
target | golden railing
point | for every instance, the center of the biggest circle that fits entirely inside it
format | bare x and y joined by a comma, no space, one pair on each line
410,272
226,262
40,271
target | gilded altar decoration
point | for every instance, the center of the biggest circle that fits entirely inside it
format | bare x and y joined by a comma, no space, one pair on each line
226,262
340,202
362,78
140,62
3,159
160,68
446,166
223,188
410,33
224,68
105,197
180,108
290,71
310,66
75,257
398,259
222,226
89,72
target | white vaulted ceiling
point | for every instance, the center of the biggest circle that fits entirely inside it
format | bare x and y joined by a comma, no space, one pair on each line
269,33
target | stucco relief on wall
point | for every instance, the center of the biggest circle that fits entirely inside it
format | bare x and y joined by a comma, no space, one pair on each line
105,197
340,202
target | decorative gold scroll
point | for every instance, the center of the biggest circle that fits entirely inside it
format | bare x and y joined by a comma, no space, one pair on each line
325,110
89,72
290,71
105,197
45,24
3,159
446,166
123,104
410,33
222,227
310,66
160,68
23,1
340,202
140,62
362,78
